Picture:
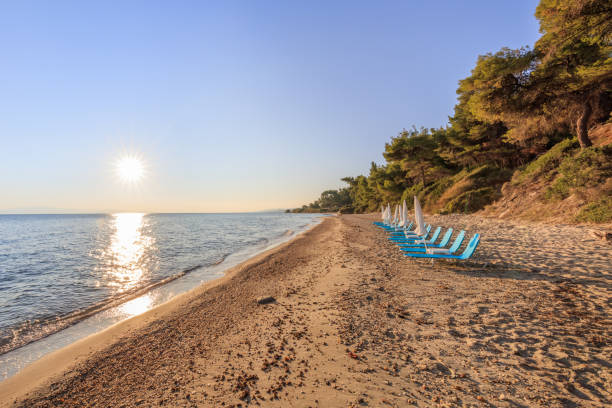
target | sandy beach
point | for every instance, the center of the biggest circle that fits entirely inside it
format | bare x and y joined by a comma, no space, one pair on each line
525,323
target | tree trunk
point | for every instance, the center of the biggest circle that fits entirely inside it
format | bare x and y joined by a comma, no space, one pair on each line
582,126
423,175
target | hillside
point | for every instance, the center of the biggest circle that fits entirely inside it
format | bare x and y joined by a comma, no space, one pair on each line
566,184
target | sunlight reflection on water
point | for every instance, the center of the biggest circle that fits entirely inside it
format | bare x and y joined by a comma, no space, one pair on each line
126,251
137,306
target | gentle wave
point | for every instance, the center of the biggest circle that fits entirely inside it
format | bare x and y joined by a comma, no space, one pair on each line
31,331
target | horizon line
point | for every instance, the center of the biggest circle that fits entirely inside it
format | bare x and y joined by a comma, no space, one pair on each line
77,212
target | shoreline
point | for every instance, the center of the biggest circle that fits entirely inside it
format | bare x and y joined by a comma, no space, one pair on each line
525,322
49,366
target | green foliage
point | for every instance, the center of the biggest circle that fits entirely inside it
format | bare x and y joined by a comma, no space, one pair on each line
409,193
575,42
495,90
568,75
415,152
434,191
588,168
598,212
388,181
364,198
559,190
347,209
330,201
489,174
472,189
334,199
472,200
547,162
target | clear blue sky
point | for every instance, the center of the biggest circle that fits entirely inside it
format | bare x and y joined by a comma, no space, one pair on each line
232,105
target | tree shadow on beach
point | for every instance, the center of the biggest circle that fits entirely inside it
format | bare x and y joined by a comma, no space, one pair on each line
521,272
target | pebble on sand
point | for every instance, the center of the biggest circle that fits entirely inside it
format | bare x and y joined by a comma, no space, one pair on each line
264,300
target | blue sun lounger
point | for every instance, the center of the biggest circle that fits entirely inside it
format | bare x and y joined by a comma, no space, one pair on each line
400,230
458,241
403,233
451,250
410,237
393,229
386,226
445,240
467,252
419,241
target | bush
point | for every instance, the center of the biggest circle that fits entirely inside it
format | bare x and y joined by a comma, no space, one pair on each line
546,163
588,168
347,209
559,190
472,200
598,211
434,191
488,175
409,193
469,190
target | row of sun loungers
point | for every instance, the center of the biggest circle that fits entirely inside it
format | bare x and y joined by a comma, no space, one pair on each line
425,246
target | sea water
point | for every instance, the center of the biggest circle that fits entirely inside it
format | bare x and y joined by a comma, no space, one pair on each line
63,277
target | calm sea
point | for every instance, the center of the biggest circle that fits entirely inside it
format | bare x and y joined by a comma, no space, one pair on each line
57,270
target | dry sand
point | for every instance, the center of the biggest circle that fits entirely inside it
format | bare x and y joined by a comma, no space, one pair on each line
355,323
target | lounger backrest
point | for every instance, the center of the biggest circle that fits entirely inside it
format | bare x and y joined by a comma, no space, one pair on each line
446,238
457,242
410,226
471,247
435,235
427,230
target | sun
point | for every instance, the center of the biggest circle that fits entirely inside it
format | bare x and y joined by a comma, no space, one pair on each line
130,169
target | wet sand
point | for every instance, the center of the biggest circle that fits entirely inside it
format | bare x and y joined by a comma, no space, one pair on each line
526,322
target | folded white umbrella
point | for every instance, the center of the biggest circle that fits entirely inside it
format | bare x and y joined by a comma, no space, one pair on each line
405,213
396,217
418,217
